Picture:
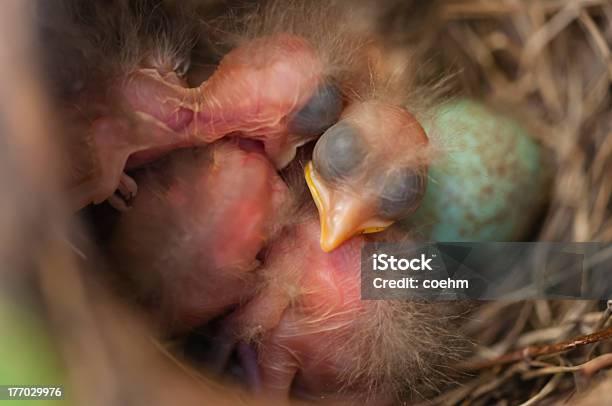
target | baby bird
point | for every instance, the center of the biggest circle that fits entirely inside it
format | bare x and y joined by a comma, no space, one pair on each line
367,171
274,89
280,86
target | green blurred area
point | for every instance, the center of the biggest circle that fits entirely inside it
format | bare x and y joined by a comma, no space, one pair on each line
27,353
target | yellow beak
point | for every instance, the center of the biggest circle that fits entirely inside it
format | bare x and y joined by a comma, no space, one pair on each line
342,215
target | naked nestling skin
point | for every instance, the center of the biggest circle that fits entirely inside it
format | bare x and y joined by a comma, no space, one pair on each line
191,241
298,322
258,91
318,339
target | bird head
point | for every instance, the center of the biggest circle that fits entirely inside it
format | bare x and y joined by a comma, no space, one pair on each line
368,171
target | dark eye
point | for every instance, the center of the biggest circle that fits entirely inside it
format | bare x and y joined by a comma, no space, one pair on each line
402,192
338,152
320,112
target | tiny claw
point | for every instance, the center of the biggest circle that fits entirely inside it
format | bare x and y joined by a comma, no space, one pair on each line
127,187
124,195
118,203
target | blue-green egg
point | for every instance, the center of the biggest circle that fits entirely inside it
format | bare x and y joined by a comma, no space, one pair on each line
489,181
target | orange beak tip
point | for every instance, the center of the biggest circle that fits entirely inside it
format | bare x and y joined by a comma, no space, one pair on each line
335,232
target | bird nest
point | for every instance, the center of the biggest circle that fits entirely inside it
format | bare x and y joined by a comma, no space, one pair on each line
550,61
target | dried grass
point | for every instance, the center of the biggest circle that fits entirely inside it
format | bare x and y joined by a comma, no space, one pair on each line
549,62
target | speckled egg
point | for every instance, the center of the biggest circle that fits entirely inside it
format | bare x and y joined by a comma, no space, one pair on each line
489,181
